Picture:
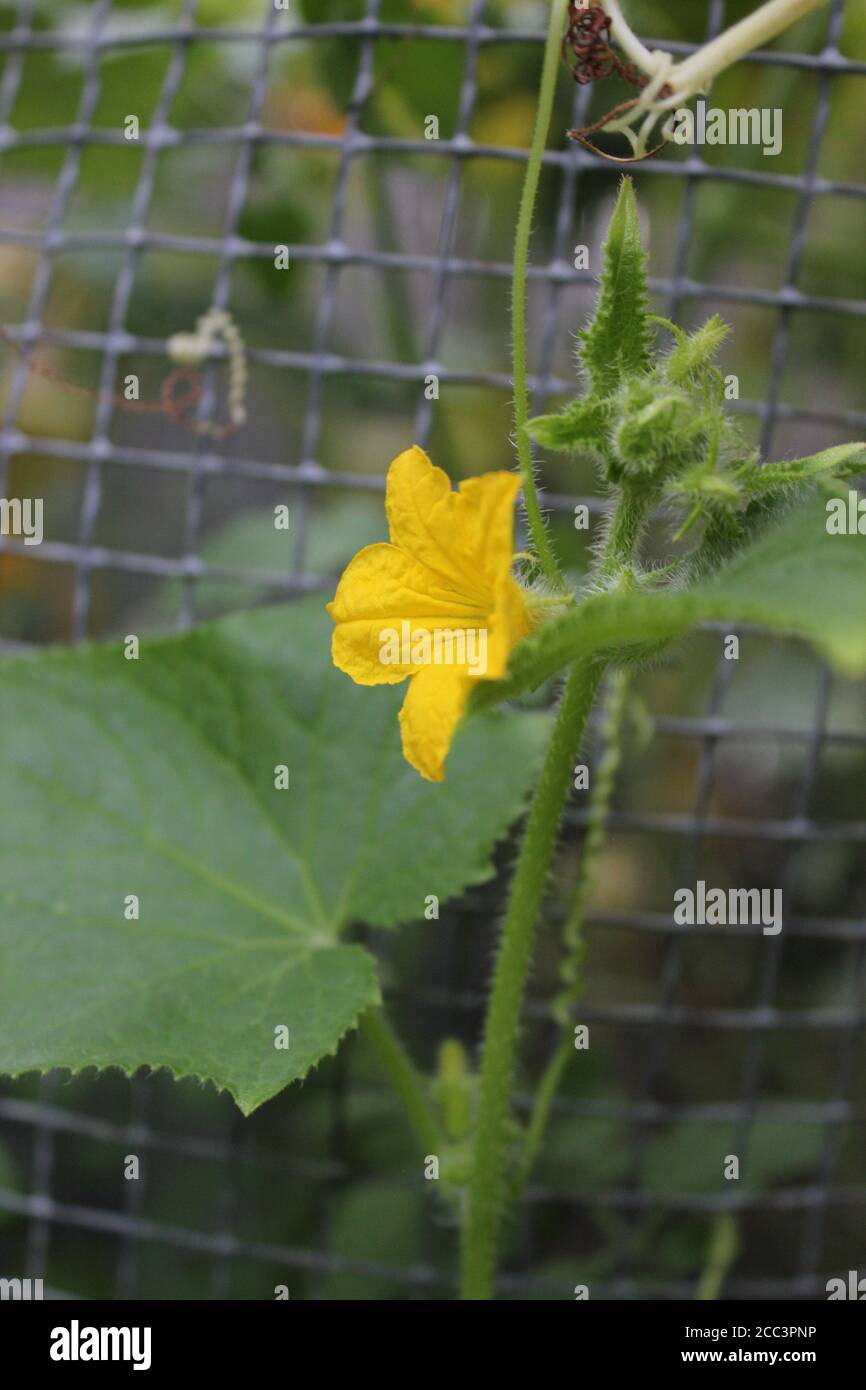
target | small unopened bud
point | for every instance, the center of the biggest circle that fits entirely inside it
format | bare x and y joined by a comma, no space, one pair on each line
655,431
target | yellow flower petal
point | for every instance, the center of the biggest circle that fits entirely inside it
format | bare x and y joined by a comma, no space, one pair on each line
485,507
508,622
439,604
466,537
431,711
381,588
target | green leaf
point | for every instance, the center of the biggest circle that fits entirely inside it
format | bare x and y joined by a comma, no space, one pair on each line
155,778
843,461
618,340
696,351
769,491
582,424
795,579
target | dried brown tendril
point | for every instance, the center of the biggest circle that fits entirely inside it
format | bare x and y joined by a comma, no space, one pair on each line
177,404
586,48
588,38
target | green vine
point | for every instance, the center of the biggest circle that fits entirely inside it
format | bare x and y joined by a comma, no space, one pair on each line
571,966
488,1182
544,551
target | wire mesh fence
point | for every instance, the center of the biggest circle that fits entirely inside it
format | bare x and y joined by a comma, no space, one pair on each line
688,1058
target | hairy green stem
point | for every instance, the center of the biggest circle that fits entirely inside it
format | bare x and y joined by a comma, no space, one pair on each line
490,1188
604,785
487,1182
756,29
626,525
601,799
546,557
406,1081
724,1246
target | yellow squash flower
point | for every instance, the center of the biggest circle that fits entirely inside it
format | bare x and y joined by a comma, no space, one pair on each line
438,606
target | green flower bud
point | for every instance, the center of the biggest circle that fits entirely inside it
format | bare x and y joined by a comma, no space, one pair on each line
656,431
